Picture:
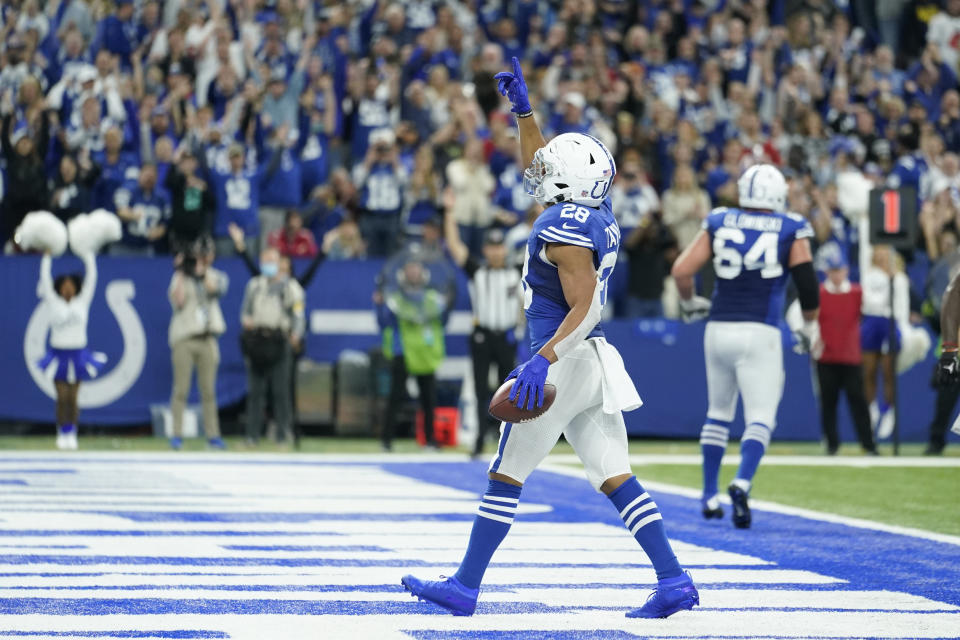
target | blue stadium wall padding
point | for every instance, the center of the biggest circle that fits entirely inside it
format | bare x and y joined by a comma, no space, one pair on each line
130,316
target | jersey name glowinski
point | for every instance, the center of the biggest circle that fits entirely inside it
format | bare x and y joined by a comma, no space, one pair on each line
751,255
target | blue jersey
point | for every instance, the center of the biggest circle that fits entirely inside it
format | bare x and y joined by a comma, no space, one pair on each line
751,257
368,114
112,177
284,188
573,224
153,209
238,200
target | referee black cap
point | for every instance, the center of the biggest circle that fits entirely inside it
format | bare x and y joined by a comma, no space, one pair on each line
494,236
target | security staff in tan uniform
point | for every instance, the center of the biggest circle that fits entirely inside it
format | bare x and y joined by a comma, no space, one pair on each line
272,314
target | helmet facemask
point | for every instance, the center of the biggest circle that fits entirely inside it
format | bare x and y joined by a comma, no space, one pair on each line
536,174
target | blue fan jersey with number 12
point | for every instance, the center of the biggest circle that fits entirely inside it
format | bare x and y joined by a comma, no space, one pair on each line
593,228
751,257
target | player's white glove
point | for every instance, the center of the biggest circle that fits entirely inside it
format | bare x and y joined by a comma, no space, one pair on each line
694,309
808,339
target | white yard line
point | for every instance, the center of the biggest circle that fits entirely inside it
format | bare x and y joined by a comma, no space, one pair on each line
780,508
786,461
11,456
83,457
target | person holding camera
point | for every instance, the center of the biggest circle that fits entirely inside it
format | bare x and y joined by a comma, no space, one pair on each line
382,180
273,320
197,323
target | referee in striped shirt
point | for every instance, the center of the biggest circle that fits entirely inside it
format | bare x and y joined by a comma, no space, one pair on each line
495,298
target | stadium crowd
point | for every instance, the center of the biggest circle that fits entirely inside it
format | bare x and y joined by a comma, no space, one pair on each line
188,118
353,126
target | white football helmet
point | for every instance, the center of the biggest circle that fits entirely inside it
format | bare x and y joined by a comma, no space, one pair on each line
762,186
573,167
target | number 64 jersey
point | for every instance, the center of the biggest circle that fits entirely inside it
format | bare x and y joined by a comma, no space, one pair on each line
751,255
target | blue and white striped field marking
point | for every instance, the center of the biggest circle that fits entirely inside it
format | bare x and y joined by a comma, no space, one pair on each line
287,547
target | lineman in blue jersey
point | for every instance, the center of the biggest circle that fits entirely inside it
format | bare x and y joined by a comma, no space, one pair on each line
571,253
754,249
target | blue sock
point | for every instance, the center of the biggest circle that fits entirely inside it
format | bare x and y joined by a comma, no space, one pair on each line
756,438
67,428
713,444
643,519
494,517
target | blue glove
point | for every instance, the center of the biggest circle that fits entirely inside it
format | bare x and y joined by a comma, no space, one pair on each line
513,86
527,391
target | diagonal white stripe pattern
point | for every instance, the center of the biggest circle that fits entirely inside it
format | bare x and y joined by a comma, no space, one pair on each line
650,506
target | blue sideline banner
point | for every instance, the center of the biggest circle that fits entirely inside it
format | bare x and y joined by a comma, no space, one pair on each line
130,316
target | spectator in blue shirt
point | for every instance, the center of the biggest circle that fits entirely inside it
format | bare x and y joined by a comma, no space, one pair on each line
116,167
118,32
281,98
382,181
282,189
238,199
569,115
887,76
929,79
317,125
72,187
70,57
369,109
144,208
736,54
949,123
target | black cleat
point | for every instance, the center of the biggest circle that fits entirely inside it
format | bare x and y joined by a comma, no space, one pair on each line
709,512
741,510
934,449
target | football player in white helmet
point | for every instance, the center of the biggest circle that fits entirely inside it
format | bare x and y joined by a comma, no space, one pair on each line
571,252
754,248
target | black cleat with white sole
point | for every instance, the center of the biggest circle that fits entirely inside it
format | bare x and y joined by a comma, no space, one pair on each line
741,510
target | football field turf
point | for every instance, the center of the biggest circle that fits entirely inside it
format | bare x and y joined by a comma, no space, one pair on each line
927,497
127,544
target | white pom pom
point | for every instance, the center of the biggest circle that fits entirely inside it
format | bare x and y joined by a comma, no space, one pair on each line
915,344
79,231
42,231
107,225
91,231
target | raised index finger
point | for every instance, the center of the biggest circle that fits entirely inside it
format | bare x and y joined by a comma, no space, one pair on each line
517,71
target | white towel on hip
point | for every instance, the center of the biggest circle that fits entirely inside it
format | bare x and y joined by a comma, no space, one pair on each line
619,392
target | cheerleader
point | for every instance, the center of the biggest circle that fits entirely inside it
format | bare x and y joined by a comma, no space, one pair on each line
68,361
875,336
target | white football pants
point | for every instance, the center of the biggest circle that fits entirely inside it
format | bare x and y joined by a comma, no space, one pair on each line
598,438
744,359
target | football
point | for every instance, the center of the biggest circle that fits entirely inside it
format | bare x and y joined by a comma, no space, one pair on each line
502,409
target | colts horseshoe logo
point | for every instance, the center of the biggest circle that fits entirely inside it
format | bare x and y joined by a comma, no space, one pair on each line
111,386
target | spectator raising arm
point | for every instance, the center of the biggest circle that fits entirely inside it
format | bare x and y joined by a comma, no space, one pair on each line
458,250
